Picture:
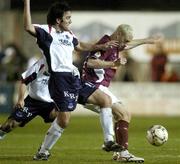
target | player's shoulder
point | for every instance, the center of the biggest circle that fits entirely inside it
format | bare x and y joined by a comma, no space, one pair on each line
104,39
71,33
44,27
37,66
34,71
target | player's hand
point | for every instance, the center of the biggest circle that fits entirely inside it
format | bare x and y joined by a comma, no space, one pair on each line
111,44
123,60
19,104
120,61
156,39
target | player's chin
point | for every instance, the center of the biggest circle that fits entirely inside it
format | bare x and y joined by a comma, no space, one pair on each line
66,28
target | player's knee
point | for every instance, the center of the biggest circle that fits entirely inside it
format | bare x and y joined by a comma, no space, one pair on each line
63,123
121,113
52,116
5,128
8,126
127,116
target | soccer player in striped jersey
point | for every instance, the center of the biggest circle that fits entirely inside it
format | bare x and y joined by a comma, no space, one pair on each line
57,43
37,103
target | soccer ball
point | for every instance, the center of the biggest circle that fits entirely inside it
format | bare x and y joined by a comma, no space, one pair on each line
157,135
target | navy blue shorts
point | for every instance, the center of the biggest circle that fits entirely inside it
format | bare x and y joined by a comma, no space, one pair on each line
64,90
31,109
87,90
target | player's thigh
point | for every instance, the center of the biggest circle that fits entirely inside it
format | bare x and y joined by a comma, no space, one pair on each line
47,111
100,98
64,90
53,114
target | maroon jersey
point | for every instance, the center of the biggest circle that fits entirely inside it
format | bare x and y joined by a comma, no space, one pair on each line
101,76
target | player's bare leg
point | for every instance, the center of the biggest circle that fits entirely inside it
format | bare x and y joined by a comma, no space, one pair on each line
7,127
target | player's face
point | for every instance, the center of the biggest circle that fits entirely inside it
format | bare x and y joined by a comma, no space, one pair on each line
66,20
126,37
129,37
123,39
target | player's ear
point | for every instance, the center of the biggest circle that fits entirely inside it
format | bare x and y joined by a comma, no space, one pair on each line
58,20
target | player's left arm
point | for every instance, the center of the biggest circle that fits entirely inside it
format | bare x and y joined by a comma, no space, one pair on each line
137,42
82,46
99,64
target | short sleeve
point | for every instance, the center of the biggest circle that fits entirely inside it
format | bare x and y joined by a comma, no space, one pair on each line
75,41
41,33
31,73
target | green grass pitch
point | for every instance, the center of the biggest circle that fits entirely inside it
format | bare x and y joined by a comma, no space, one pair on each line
82,140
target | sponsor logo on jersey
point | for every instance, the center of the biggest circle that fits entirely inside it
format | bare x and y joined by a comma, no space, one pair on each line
70,105
26,110
67,37
44,81
70,95
65,42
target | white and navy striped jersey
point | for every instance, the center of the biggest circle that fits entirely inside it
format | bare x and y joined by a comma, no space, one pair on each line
57,47
36,79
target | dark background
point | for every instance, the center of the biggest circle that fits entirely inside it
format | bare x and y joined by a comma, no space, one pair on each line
111,5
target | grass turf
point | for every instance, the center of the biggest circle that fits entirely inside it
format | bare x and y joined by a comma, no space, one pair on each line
82,140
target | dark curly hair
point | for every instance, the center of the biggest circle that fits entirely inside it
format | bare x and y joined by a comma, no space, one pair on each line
57,11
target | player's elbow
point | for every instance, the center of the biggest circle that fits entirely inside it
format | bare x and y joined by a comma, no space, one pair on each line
27,28
30,30
91,63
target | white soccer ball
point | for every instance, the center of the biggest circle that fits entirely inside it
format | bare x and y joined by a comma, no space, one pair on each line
157,135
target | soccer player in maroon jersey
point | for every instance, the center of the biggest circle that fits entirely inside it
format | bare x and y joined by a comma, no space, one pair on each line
100,68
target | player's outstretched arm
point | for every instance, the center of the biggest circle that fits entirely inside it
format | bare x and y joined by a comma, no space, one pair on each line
137,42
93,47
28,26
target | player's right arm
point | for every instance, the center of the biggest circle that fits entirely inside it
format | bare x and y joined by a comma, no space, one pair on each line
82,46
137,42
26,78
21,94
28,26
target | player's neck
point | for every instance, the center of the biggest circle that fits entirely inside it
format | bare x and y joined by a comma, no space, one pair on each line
113,36
58,29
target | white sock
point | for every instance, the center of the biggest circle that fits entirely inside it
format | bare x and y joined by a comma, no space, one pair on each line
53,134
107,124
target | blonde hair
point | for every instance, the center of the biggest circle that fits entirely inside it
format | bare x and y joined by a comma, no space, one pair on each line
125,29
